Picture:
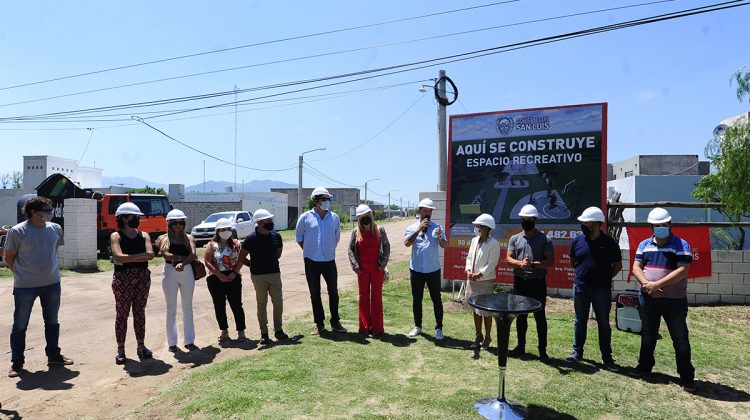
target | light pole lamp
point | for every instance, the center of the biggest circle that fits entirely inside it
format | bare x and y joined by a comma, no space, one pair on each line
389,202
299,181
375,179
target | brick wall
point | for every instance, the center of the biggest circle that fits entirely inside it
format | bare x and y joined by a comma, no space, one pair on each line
79,250
196,211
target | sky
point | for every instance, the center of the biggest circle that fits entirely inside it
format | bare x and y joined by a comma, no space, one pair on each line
667,84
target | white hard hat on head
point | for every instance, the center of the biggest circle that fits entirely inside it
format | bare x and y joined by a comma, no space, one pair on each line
528,211
485,220
363,209
592,214
658,215
128,208
176,215
223,223
319,191
427,204
262,214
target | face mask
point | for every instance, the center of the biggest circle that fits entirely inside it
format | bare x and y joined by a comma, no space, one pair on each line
585,230
268,226
366,220
527,225
477,231
661,232
134,222
225,234
326,205
47,217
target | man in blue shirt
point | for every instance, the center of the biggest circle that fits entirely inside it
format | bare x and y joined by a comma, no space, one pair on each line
596,258
661,266
424,238
318,233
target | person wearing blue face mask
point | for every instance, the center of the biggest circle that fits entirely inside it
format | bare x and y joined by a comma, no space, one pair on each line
661,266
318,233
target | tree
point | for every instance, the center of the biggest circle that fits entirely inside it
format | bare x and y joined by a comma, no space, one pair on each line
148,190
5,180
730,158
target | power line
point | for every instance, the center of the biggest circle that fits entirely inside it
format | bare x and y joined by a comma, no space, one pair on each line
331,179
419,64
292,38
333,53
84,149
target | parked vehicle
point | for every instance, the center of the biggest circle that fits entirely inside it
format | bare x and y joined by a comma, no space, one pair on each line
243,225
3,232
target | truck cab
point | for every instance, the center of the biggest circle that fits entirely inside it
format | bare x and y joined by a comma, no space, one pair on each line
154,220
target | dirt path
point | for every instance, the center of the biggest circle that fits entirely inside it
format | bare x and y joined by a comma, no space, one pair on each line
94,386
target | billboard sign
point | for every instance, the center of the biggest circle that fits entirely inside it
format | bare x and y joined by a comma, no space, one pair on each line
553,158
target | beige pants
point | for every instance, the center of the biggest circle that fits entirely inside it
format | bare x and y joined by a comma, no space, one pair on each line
265,285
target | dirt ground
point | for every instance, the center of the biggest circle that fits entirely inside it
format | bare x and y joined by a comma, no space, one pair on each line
95,386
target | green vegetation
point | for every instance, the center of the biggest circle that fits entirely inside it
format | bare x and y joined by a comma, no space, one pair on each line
349,375
147,190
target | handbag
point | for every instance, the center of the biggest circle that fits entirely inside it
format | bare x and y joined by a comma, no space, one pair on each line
199,270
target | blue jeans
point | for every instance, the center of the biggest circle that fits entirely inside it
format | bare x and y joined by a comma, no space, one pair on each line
24,298
674,312
600,298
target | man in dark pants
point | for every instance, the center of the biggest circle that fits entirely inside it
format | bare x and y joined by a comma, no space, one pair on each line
318,233
596,258
530,253
424,237
661,265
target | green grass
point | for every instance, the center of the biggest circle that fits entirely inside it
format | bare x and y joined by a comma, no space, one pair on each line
345,227
352,376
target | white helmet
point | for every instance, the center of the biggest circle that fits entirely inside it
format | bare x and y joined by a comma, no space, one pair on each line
427,204
592,214
224,223
363,209
128,208
528,211
176,215
262,214
485,220
658,215
320,191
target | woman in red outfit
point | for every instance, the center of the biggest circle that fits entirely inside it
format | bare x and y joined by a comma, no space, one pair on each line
368,254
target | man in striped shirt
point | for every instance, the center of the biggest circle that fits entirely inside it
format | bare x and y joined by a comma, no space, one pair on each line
661,266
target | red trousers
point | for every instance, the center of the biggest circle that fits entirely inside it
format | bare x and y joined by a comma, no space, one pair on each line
371,301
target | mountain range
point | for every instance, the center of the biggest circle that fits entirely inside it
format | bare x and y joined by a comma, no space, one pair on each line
257,185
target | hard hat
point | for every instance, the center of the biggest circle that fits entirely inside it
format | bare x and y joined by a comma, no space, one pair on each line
262,214
528,211
362,209
427,204
176,215
485,220
223,223
128,208
320,191
592,214
658,215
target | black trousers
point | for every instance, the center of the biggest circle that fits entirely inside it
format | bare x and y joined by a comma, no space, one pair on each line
313,271
535,289
418,281
223,292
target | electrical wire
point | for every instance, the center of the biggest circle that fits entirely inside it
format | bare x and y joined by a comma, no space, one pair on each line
333,53
84,149
423,63
331,179
316,34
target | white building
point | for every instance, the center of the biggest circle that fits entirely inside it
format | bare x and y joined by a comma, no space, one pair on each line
37,168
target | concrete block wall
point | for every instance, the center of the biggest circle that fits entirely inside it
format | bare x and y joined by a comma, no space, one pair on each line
728,284
79,250
196,211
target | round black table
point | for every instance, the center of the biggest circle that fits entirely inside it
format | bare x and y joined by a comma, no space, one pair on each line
504,308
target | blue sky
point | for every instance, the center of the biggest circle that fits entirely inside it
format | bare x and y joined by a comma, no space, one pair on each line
667,84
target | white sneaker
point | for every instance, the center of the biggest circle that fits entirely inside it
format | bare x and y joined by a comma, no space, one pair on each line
439,334
415,332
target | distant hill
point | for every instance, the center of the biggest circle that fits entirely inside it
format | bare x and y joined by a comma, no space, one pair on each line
130,181
258,185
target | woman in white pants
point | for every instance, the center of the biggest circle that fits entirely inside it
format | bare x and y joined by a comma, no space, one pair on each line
178,249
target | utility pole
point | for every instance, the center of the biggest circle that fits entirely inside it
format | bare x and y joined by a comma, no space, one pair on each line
204,175
299,181
235,137
376,179
442,136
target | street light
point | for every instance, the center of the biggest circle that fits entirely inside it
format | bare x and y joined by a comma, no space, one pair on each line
376,179
389,202
299,182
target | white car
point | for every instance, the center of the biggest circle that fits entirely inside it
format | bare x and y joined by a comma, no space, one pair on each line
242,221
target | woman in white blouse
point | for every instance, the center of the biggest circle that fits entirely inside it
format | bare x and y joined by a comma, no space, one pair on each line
481,261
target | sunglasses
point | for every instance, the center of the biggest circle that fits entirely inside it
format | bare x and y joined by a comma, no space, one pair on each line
181,223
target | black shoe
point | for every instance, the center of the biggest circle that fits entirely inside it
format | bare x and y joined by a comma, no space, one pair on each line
337,327
689,385
574,357
120,358
517,352
611,366
191,347
280,335
543,356
639,371
174,349
264,340
145,353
